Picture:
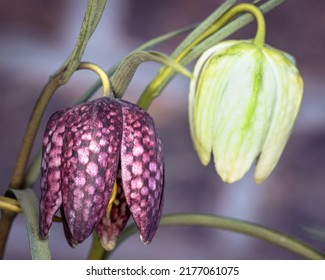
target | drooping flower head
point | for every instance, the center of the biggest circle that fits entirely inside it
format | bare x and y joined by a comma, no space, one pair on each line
102,162
244,100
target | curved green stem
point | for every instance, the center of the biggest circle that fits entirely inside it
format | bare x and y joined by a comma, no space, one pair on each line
9,204
100,72
213,30
282,240
241,8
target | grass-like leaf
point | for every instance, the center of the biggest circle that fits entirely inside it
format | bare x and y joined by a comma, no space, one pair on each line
29,204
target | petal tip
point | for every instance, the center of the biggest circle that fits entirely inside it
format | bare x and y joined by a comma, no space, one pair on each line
42,235
145,241
260,178
108,246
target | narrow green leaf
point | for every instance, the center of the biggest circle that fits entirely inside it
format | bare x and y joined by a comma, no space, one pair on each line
203,26
28,202
127,68
92,17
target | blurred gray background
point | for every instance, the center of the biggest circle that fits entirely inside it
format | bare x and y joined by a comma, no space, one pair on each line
35,38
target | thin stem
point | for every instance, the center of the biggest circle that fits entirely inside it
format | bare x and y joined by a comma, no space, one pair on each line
5,224
12,205
9,204
282,240
96,251
203,26
241,8
33,170
100,72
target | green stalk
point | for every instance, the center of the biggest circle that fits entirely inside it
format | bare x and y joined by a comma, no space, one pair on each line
201,220
29,203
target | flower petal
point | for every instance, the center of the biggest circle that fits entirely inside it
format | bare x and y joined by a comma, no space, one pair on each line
72,241
91,152
142,169
51,196
110,227
239,110
288,94
203,99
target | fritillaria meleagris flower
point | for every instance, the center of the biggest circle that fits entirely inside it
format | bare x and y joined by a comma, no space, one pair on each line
102,162
244,100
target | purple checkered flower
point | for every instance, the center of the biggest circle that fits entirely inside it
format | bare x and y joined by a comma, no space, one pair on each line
102,162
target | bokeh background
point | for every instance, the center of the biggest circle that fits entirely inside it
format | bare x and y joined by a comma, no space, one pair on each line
35,38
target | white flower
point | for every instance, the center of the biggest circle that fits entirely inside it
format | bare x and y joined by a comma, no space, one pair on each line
243,103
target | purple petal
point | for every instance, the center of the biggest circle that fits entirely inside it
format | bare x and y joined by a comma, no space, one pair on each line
160,177
109,229
51,197
92,141
73,243
142,169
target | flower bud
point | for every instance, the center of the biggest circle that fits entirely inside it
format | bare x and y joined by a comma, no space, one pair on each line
243,103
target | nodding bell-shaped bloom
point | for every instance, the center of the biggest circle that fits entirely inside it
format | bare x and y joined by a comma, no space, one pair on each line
102,162
243,103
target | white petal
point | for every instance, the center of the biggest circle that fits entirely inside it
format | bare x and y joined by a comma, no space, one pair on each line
241,116
289,89
202,99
